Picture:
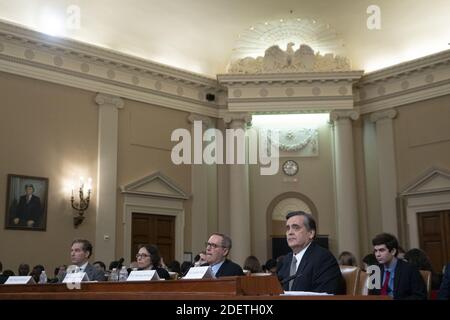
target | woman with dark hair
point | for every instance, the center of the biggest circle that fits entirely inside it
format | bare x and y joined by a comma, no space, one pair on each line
252,264
420,260
148,258
346,259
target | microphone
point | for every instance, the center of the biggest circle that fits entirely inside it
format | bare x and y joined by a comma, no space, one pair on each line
294,276
119,263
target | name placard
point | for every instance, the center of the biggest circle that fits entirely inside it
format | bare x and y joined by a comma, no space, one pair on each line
76,277
199,273
20,280
143,275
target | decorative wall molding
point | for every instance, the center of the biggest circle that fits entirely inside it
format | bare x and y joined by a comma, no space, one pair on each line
384,114
344,114
289,92
434,180
405,83
107,99
155,185
207,122
33,54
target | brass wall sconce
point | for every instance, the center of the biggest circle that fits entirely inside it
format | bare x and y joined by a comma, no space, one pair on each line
83,203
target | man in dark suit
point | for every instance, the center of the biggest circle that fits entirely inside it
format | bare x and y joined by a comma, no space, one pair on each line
80,252
314,268
217,249
399,279
28,212
444,290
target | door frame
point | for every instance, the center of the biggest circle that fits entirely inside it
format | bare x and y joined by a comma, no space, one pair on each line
150,205
429,192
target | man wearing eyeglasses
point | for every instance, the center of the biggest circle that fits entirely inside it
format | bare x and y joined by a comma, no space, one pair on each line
217,249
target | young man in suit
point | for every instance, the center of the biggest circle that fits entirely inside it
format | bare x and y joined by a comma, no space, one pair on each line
399,279
80,253
309,267
217,249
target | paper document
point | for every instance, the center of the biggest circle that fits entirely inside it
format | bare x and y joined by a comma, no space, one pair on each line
305,293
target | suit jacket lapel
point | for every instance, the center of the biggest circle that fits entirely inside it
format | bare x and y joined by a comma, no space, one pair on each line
397,276
305,259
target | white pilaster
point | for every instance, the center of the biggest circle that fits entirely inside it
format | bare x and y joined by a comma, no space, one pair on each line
239,198
105,235
199,185
387,172
346,203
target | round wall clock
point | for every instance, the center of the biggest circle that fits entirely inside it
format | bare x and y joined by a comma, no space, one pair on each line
290,168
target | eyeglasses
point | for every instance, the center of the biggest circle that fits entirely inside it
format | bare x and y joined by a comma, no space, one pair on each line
142,255
213,245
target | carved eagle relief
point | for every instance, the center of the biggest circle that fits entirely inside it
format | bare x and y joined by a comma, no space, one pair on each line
301,60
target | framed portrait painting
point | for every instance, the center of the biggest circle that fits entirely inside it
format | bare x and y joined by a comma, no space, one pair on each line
26,203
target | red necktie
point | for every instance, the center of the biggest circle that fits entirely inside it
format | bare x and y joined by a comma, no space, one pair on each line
384,289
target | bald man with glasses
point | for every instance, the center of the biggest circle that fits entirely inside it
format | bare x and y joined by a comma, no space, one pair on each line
217,249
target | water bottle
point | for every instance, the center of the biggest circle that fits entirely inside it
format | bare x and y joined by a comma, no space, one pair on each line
43,277
123,274
114,275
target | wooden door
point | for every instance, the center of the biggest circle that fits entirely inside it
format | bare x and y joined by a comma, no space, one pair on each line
434,237
154,229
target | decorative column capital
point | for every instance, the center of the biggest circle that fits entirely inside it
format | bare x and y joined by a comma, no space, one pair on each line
343,114
237,117
108,99
383,115
206,121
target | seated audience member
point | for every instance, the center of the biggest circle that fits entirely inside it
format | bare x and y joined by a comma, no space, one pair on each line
185,266
347,259
58,274
148,258
36,272
217,249
444,290
399,279
420,260
3,278
24,269
270,266
369,260
401,253
100,266
9,273
200,259
252,264
174,266
80,252
309,267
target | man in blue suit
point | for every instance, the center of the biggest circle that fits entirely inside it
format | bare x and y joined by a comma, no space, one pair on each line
309,267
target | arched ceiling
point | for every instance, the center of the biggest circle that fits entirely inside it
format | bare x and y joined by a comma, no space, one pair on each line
202,35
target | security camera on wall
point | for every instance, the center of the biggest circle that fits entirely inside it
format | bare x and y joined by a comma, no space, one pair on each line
210,97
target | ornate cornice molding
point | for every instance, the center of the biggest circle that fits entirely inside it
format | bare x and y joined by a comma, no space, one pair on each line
289,92
383,115
344,115
406,83
67,62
